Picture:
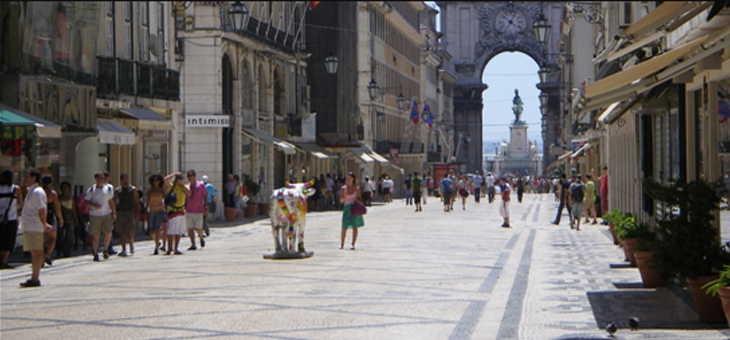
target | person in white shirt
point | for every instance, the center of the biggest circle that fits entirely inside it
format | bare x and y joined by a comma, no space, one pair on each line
388,189
102,213
34,225
490,186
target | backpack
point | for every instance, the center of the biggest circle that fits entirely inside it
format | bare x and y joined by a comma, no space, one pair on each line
576,192
505,191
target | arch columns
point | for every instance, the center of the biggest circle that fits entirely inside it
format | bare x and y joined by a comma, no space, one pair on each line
468,125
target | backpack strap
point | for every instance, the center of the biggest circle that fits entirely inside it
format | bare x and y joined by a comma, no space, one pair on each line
12,196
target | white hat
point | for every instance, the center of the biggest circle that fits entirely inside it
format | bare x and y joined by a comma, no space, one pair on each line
205,179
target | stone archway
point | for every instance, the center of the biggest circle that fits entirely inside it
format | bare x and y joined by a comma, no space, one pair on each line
474,33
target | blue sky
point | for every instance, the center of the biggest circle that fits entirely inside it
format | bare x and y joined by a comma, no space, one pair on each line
503,74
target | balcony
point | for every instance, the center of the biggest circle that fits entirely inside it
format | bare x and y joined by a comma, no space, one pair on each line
411,147
433,157
122,76
383,147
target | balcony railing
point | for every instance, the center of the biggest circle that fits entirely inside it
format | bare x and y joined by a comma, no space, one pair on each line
433,157
122,76
383,147
126,76
411,147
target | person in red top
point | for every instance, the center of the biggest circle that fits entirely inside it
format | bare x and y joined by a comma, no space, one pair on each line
604,192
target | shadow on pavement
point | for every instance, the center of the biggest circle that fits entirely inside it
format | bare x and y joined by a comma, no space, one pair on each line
656,309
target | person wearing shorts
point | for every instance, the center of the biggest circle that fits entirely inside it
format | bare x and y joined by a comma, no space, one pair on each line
576,196
196,203
127,201
102,214
417,190
176,224
34,224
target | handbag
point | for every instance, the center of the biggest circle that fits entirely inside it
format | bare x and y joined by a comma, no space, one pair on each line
358,209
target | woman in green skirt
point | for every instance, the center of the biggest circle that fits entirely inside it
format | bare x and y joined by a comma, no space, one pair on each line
350,193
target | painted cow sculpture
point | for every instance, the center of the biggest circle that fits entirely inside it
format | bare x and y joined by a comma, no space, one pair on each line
288,217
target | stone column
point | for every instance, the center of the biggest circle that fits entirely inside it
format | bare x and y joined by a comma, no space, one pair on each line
468,122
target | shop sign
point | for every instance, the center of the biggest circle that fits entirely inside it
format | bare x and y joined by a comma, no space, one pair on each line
17,131
208,121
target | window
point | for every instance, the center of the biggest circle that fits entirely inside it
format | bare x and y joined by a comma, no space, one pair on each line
109,30
262,81
127,14
144,31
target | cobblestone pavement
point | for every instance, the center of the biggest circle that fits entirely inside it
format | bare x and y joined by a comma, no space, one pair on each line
426,275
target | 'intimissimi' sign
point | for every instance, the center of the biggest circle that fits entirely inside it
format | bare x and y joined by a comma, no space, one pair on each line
219,121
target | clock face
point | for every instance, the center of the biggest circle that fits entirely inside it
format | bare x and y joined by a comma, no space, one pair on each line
510,22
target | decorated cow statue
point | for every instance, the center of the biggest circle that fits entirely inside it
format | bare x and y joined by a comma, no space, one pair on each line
288,219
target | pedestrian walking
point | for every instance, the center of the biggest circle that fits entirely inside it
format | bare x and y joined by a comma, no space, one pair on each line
478,180
407,189
156,207
464,188
349,194
102,214
196,203
11,200
107,178
590,197
577,193
417,190
212,199
604,193
82,222
520,188
446,189
66,234
126,199
489,181
54,218
175,211
367,192
34,225
388,187
563,186
504,190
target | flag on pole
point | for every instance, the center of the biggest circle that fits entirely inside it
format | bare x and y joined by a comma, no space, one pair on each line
430,117
313,4
414,112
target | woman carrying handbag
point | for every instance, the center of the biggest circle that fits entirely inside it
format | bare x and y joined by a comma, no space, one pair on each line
349,196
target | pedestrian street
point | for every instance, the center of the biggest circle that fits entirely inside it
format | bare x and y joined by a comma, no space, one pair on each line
413,275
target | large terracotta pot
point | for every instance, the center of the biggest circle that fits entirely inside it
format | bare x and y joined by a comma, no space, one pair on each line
230,214
650,276
264,208
709,308
629,246
725,299
613,233
251,210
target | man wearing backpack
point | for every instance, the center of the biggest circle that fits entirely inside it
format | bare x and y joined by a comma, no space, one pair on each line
446,188
577,192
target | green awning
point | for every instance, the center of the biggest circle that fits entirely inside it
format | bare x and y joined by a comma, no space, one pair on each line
15,127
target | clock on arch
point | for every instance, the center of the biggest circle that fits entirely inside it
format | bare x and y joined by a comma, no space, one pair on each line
510,22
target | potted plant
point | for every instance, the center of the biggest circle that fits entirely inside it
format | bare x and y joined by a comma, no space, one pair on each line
627,231
650,275
687,247
613,218
721,287
252,192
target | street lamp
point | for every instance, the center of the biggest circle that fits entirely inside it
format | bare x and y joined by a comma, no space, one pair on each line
541,28
238,14
543,99
401,101
543,73
373,89
330,63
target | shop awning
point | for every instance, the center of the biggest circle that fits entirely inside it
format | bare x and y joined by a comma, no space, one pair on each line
661,15
14,126
44,128
582,149
616,110
261,137
637,73
316,150
369,156
112,132
148,119
564,156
